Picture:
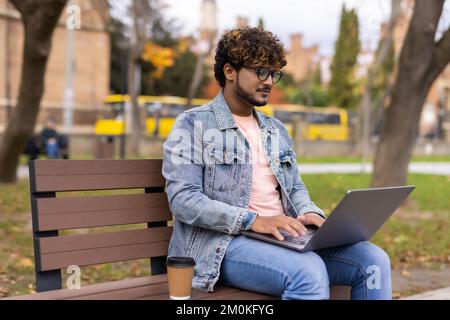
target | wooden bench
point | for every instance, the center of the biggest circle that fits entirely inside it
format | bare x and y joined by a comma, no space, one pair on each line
55,252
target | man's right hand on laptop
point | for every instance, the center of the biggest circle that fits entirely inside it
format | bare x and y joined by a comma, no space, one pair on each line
311,218
270,225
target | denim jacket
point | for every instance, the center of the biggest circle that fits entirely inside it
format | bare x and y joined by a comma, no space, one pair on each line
209,182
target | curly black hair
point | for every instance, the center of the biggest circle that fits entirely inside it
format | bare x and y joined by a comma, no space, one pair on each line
250,47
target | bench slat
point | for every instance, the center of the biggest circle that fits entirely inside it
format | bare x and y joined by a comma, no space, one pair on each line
108,167
78,175
130,293
87,212
98,182
143,288
103,240
102,255
92,289
99,203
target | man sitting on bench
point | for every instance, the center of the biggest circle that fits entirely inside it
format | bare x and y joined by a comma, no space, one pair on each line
229,168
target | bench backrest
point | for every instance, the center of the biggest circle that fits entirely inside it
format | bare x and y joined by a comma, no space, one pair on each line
51,214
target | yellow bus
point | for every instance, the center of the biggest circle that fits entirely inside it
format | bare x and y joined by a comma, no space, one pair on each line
112,116
162,111
159,113
327,124
319,123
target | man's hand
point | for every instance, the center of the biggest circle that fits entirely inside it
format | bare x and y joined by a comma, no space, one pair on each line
311,218
270,225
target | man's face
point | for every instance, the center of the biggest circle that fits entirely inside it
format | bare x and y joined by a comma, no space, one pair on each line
50,124
253,88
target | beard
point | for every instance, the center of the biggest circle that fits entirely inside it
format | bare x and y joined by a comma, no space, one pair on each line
247,97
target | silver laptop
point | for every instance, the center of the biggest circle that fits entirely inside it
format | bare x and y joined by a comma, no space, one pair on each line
356,218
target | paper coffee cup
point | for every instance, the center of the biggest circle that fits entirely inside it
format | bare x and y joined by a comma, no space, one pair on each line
180,271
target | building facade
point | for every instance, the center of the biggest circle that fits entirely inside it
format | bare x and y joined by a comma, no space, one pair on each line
91,65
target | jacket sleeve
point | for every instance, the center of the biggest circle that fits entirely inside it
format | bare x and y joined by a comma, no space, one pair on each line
184,185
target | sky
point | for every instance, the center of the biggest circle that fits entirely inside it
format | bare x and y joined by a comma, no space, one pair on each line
317,20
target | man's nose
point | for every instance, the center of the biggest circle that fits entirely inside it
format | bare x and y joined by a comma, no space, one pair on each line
268,81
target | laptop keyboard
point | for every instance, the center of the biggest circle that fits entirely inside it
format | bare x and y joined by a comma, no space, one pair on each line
301,240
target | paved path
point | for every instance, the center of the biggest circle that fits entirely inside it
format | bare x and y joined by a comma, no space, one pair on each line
440,294
438,168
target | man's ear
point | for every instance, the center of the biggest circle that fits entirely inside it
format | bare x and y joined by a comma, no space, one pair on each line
229,72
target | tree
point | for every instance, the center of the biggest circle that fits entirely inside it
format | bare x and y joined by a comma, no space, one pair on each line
205,45
176,80
422,59
141,12
119,56
199,72
261,23
343,87
158,59
39,20
309,92
377,85
148,24
119,43
317,76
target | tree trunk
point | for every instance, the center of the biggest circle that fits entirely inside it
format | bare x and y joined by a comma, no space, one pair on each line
199,70
134,90
196,79
39,20
141,11
421,61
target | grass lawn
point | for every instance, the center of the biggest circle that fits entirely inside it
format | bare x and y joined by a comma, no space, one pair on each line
417,235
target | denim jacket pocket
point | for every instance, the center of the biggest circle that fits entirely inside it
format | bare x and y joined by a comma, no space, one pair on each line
287,162
222,168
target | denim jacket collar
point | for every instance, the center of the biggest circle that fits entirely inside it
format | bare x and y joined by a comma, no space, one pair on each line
225,119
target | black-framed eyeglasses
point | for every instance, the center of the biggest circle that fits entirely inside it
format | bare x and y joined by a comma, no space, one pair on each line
263,73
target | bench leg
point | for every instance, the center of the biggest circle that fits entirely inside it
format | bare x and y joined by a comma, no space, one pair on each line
48,280
157,264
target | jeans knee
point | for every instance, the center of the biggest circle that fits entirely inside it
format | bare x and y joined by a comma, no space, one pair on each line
318,284
378,257
309,282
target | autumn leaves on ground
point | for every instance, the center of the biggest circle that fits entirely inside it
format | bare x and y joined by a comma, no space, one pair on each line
416,237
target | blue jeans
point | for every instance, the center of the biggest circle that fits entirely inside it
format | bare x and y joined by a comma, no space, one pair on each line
262,267
53,150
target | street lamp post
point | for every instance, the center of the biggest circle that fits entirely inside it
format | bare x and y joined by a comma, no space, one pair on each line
68,91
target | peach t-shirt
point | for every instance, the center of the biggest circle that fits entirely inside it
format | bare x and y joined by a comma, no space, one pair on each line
265,199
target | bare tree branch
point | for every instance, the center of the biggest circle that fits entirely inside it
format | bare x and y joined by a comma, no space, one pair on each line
442,52
423,31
